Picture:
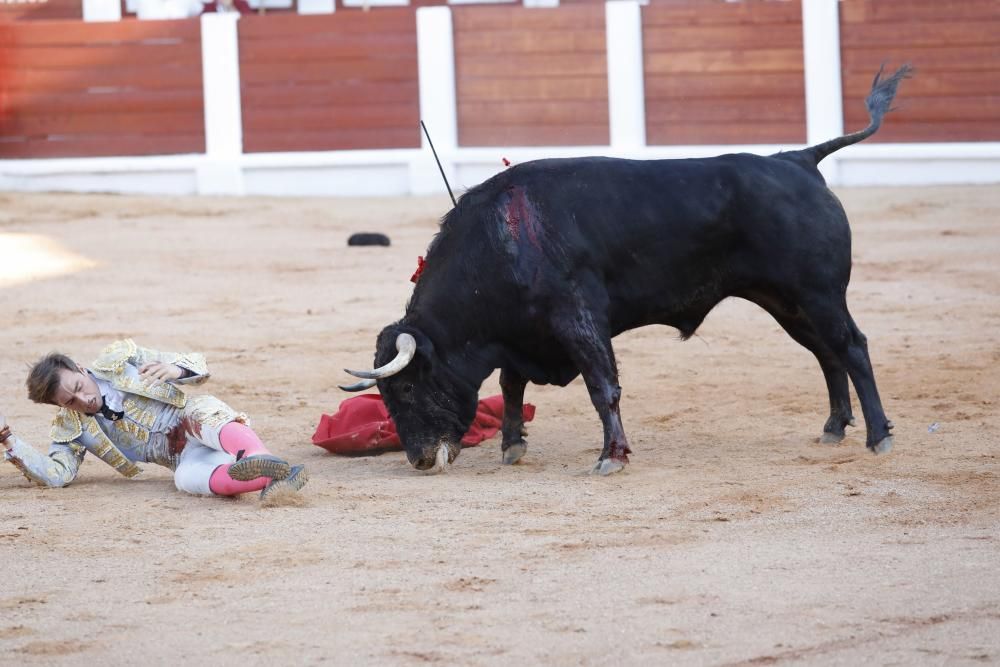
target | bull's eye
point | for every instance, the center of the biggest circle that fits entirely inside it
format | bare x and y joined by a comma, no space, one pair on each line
407,389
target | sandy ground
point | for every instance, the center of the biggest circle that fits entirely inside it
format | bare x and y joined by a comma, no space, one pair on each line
733,538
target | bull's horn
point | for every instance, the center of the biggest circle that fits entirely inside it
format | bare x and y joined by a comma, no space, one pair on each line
407,346
358,386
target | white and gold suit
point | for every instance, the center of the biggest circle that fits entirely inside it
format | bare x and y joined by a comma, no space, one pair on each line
159,425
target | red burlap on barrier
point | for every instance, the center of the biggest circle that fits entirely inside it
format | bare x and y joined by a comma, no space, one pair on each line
362,425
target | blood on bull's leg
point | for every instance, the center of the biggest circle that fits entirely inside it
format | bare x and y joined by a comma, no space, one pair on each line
614,456
513,446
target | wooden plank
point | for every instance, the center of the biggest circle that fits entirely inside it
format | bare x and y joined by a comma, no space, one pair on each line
488,19
502,89
926,83
50,33
335,92
984,108
697,133
533,135
399,69
739,37
504,42
362,116
725,60
35,11
721,85
943,58
367,46
279,27
733,110
318,55
97,146
109,122
702,13
331,139
930,33
529,66
124,77
21,102
880,11
153,56
524,112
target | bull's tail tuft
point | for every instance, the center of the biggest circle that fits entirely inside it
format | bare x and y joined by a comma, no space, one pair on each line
878,103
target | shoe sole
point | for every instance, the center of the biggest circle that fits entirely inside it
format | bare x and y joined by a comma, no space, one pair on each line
251,468
291,484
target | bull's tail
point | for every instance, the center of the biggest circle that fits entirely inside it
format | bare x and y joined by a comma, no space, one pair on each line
878,103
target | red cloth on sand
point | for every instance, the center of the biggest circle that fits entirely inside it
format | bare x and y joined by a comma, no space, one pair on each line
362,425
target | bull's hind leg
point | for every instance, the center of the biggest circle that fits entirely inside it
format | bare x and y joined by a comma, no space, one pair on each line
588,344
802,332
513,445
834,325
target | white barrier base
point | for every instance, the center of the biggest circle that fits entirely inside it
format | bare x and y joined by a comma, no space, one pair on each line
413,171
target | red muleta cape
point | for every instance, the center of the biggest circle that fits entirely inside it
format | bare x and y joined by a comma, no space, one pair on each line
362,426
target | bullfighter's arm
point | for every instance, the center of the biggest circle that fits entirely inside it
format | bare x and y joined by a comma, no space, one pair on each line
153,363
193,363
59,468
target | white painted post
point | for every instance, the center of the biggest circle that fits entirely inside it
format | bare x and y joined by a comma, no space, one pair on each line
221,172
316,6
626,87
824,94
102,10
438,101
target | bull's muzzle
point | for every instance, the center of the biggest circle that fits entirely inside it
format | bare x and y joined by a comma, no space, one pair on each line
433,461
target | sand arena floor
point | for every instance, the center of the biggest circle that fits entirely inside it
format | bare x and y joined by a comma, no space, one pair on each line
733,538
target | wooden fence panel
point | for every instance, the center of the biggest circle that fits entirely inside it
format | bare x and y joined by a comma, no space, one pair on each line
73,89
531,77
337,82
723,73
40,10
954,46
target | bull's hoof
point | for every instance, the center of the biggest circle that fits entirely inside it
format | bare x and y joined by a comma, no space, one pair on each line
608,466
884,445
513,454
831,438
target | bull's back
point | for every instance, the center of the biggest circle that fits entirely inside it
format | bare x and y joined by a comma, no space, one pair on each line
668,239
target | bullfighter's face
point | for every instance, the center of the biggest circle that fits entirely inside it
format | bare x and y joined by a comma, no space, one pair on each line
77,391
427,403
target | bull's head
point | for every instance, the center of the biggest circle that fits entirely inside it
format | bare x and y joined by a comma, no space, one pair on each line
430,404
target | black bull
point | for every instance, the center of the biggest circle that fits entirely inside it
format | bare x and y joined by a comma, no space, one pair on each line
537,269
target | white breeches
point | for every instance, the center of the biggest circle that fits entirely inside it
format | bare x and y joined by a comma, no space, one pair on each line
197,463
203,452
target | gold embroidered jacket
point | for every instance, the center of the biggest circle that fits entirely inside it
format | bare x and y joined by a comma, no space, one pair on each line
141,435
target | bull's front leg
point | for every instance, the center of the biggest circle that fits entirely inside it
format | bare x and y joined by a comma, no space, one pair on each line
513,446
588,343
614,456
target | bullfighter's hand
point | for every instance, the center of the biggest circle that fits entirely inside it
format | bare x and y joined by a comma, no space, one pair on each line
159,372
5,433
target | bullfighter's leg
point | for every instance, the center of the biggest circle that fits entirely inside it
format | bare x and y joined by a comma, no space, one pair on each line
833,322
589,345
802,332
513,445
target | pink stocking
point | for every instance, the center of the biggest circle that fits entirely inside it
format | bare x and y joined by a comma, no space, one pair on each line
221,484
235,437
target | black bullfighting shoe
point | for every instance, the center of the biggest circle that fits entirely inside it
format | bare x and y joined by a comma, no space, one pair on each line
296,479
259,465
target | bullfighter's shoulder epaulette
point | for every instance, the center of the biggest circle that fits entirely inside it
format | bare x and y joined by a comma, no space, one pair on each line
113,357
66,426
